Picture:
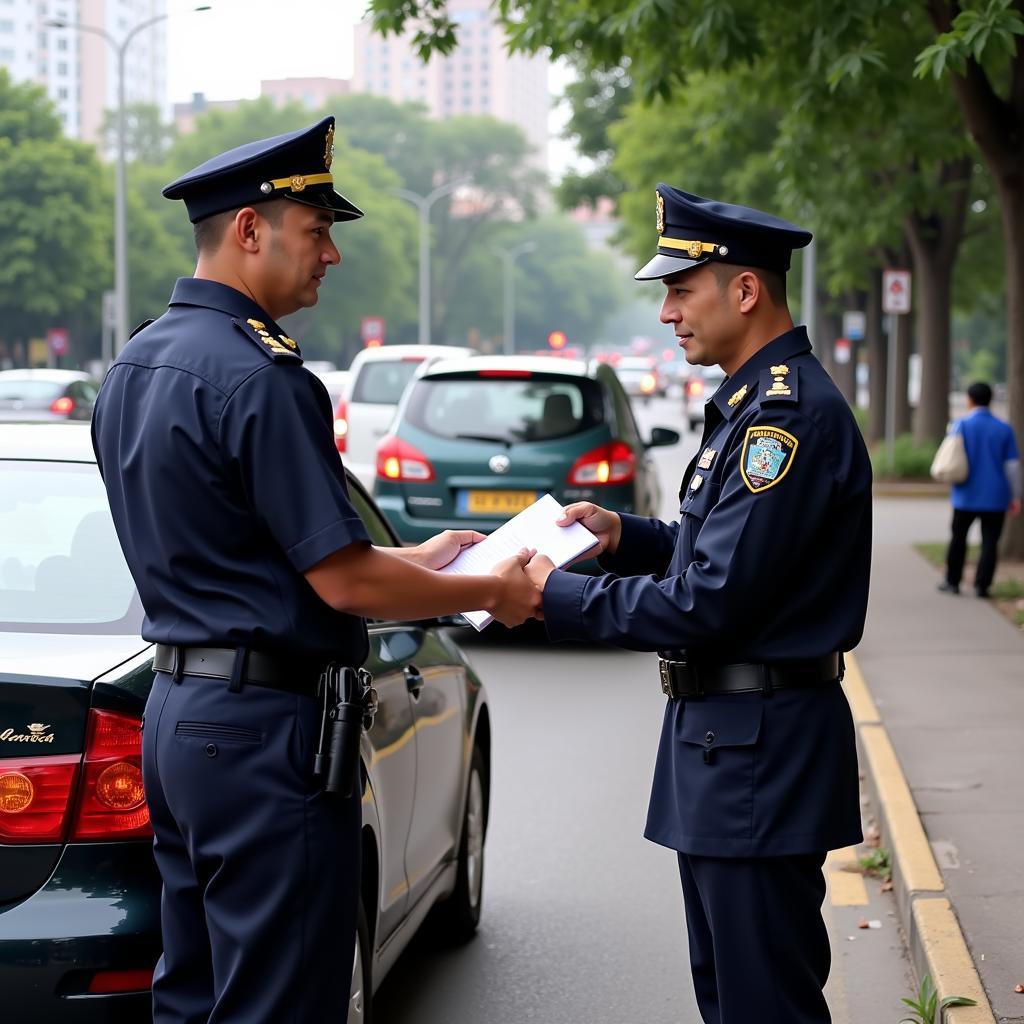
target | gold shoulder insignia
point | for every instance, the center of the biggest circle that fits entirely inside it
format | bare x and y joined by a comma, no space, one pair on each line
767,456
780,371
267,342
779,383
258,324
290,342
738,396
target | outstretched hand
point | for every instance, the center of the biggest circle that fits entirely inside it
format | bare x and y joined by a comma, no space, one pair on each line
605,525
441,549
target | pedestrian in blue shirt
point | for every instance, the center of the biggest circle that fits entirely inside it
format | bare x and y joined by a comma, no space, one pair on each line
255,572
750,599
992,489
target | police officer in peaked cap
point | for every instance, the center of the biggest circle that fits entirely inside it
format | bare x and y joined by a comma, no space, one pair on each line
255,571
750,600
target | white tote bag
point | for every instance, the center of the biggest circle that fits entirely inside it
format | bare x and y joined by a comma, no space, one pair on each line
950,463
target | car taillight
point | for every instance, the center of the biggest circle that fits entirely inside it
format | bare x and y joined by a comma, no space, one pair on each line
63,406
341,427
695,388
612,463
648,383
401,462
108,982
35,796
111,801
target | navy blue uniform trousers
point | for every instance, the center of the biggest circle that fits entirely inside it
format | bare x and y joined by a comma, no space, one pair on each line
758,945
260,869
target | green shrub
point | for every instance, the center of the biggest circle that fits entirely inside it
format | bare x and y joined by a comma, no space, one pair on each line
911,459
860,414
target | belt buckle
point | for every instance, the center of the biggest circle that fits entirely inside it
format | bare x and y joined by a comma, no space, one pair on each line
667,684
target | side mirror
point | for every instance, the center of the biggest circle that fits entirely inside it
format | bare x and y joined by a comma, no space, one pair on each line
662,436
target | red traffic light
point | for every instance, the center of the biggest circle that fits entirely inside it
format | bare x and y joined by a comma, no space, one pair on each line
557,339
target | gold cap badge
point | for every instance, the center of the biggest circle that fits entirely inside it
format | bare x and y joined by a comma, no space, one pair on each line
329,148
660,213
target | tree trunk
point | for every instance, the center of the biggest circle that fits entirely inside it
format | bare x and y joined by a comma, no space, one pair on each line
904,336
933,280
875,340
1012,198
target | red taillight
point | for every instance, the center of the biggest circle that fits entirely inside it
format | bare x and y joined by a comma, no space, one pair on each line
111,803
35,795
63,406
612,463
412,359
505,373
400,462
341,427
107,982
695,388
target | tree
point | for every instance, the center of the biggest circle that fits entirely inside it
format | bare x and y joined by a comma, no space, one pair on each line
147,137
26,112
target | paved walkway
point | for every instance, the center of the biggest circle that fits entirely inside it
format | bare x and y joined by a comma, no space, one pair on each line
947,677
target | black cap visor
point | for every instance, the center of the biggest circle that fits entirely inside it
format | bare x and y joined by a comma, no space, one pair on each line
327,199
662,266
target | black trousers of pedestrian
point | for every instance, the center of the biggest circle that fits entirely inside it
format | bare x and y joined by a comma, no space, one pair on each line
991,528
759,948
260,868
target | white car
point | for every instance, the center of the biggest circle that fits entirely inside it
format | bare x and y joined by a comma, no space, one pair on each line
378,378
703,382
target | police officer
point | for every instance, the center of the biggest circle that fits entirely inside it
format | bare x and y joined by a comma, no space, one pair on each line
750,599
255,571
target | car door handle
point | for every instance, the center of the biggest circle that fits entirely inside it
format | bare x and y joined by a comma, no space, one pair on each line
413,679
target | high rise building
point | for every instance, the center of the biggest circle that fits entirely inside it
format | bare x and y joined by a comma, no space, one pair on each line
79,69
478,77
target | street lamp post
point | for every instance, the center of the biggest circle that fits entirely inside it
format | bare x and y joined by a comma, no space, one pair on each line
423,204
509,257
120,195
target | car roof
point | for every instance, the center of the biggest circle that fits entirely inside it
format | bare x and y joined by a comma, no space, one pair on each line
57,376
49,442
534,364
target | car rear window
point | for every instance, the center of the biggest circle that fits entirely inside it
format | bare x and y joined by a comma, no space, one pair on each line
382,381
61,567
509,409
35,391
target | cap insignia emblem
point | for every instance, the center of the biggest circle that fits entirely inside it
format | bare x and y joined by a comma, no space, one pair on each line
660,213
258,324
695,249
329,148
298,183
738,396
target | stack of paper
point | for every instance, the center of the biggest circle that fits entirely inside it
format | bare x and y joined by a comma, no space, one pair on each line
534,527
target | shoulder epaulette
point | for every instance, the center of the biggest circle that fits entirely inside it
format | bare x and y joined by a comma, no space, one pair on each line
779,384
281,348
141,327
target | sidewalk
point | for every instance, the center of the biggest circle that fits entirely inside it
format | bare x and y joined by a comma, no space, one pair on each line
947,678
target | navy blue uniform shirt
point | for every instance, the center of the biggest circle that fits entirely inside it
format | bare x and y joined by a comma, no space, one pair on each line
769,561
217,452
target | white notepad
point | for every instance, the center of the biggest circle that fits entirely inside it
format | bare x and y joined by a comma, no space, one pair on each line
534,527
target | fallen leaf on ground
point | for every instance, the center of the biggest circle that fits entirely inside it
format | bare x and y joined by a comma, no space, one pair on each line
863,923
1018,988
886,886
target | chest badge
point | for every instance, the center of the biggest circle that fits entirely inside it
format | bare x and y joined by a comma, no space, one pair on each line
695,483
738,396
767,456
706,458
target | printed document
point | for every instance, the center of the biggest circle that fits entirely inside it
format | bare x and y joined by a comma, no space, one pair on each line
534,527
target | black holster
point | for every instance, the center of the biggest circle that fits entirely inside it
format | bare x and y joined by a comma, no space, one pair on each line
349,704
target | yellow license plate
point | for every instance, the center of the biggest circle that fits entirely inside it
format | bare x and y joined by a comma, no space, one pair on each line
498,503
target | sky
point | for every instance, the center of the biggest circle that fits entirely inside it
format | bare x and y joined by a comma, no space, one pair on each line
225,52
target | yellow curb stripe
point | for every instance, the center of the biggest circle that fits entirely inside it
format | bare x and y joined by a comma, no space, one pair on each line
952,968
861,702
847,889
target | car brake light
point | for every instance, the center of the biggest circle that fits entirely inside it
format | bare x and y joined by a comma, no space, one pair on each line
401,462
35,794
695,388
412,359
63,406
108,982
112,803
341,427
648,383
505,373
612,463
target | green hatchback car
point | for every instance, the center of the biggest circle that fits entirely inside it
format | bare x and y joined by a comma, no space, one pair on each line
474,441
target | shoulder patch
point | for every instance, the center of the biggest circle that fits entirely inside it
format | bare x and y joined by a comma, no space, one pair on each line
779,384
767,456
274,348
141,327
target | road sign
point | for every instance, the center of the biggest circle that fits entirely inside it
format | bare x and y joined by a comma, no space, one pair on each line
371,330
896,291
842,350
57,340
854,324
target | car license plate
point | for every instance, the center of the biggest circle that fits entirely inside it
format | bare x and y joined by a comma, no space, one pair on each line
496,503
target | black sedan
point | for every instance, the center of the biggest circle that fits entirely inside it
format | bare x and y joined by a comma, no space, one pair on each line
79,891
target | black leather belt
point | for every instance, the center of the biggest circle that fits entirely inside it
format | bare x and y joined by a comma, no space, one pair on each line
298,675
687,679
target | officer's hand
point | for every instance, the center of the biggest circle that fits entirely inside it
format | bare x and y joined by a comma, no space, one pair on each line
440,550
539,569
605,525
520,599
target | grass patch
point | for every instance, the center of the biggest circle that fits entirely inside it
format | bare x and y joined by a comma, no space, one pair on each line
877,863
1007,590
935,552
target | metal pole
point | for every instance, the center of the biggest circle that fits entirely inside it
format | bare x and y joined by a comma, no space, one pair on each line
424,335
508,330
890,394
120,216
808,290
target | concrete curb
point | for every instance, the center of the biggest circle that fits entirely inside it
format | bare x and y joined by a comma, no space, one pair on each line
937,944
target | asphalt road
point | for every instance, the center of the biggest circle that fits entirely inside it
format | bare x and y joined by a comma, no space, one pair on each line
583,919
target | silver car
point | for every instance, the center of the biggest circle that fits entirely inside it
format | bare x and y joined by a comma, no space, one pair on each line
41,395
79,892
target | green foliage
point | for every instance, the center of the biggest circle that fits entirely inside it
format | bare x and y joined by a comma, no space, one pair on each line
26,112
147,138
911,459
925,1005
877,863
1007,590
977,33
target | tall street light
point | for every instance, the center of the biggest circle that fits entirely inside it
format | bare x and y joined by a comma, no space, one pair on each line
120,195
509,257
423,204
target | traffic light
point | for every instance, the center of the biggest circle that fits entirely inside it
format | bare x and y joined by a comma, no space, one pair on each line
557,339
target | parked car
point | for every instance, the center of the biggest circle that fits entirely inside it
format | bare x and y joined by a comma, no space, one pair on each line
641,377
477,440
41,395
378,378
701,385
337,383
79,890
